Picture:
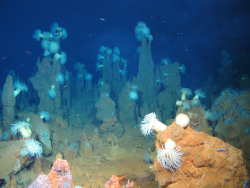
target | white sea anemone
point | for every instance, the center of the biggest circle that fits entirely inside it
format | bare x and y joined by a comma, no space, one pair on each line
116,58
150,123
44,115
101,82
18,86
210,115
178,103
62,58
55,27
45,44
98,66
184,92
37,35
170,156
133,95
52,92
195,102
78,65
103,49
53,47
134,87
63,33
150,37
88,76
182,120
117,51
100,57
60,78
109,51
165,61
199,94
46,53
22,127
141,30
182,69
186,106
31,148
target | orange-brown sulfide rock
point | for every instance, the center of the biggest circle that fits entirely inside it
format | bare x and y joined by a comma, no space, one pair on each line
115,182
207,161
59,176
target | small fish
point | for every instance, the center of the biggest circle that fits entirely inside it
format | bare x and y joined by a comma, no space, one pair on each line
245,184
195,124
221,149
105,159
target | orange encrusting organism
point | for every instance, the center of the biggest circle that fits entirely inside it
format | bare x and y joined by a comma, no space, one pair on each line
115,182
58,177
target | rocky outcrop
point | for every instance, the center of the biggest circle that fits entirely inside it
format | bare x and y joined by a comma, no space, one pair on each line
8,101
106,113
43,133
11,161
207,161
43,80
59,176
126,106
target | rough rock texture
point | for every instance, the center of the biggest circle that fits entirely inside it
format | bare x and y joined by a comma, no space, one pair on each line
11,161
75,121
62,123
145,78
126,106
198,122
233,125
66,91
24,115
42,81
106,113
105,105
43,133
70,152
202,165
8,101
79,84
118,79
59,176
106,70
166,101
112,126
115,182
55,143
8,98
86,145
172,78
